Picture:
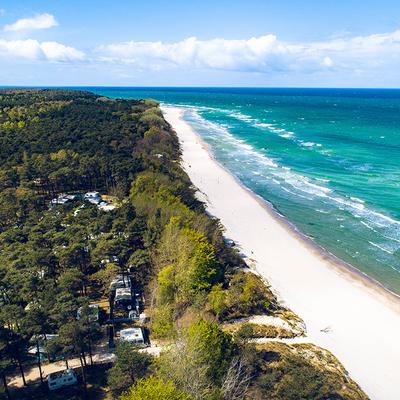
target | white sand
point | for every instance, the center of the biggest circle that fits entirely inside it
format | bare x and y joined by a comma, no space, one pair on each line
360,321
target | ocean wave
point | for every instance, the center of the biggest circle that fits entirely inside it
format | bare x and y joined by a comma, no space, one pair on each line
263,125
243,147
322,180
196,108
288,135
380,247
368,226
273,128
240,116
264,169
259,124
359,210
357,199
309,144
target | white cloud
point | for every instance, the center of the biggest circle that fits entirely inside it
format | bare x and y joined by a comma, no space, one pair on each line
361,56
42,21
55,51
31,49
327,61
261,54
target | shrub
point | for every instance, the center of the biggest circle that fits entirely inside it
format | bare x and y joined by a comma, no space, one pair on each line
247,295
162,325
155,389
215,347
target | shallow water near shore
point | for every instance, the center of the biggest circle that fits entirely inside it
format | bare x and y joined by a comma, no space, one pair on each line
326,159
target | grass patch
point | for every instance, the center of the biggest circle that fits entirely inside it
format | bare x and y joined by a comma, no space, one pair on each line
301,371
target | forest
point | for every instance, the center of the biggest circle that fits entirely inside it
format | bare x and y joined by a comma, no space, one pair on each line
92,194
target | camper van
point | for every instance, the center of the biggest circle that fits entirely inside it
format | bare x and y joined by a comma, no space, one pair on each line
133,335
123,299
60,379
120,281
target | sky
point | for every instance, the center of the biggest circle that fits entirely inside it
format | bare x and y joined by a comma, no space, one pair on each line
257,43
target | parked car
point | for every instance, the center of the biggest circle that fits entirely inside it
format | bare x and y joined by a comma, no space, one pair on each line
57,380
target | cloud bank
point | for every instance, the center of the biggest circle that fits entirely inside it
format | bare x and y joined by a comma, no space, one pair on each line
362,56
31,49
42,21
260,54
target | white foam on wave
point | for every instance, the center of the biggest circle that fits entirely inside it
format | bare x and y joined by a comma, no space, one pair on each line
301,186
263,125
283,133
368,226
386,218
322,180
260,124
241,117
245,148
309,144
357,199
194,107
380,247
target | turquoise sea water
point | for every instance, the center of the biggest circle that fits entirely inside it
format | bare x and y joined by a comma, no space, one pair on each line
327,159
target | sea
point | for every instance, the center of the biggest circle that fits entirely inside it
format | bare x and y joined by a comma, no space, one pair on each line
328,160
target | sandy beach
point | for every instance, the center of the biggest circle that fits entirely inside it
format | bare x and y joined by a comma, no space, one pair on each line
344,312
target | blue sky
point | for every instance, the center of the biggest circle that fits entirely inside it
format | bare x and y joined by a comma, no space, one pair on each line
302,43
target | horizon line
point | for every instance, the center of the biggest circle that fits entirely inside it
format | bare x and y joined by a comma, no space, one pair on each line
195,87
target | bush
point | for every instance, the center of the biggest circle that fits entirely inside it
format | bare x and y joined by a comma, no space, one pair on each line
155,389
215,347
247,295
162,325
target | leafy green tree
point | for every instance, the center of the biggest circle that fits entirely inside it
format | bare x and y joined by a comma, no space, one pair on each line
5,364
204,265
215,347
64,308
70,281
247,294
166,285
217,301
162,325
36,324
73,341
17,346
130,365
183,364
155,389
5,357
90,328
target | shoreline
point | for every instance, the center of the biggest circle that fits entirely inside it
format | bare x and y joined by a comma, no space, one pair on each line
363,317
349,271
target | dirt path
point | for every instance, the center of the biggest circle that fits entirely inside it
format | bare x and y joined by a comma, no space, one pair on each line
102,355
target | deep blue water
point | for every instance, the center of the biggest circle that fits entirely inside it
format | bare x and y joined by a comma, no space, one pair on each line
327,159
